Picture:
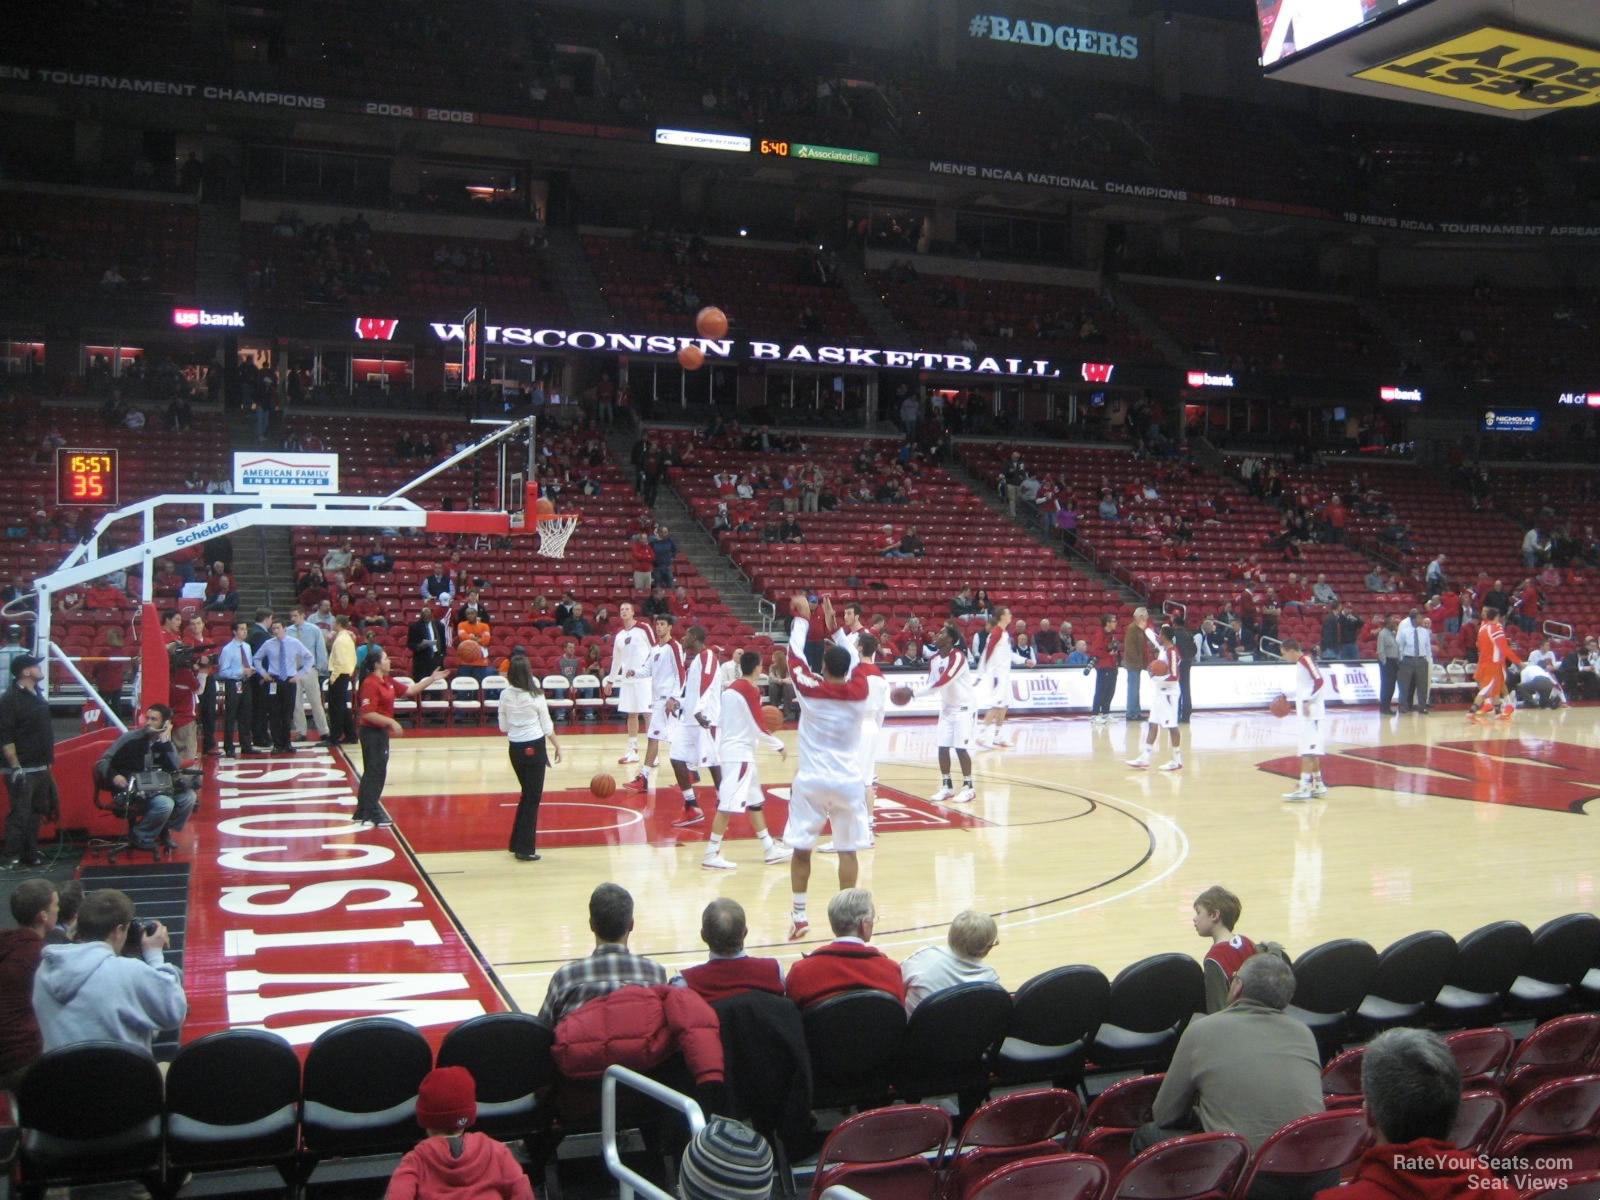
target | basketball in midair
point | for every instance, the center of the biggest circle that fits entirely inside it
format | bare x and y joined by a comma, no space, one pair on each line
901,696
602,785
545,508
771,718
691,358
711,323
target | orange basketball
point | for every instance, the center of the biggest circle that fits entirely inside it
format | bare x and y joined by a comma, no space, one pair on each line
1281,707
545,508
901,695
711,322
771,718
691,358
1158,669
602,785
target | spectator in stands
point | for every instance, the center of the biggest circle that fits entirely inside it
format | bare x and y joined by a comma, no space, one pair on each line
1322,592
438,588
1435,579
1050,646
472,644
450,1161
1080,656
780,688
682,603
962,605
611,966
847,963
569,664
642,560
726,1161
1496,597
1376,580
324,618
729,971
336,563
1023,653
221,595
1351,624
35,907
1411,1083
789,530
911,545
663,551
378,561
971,936
1108,505
1535,548
1216,912
101,988
1248,1069
658,604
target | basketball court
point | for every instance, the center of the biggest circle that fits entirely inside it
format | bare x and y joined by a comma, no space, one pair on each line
1430,821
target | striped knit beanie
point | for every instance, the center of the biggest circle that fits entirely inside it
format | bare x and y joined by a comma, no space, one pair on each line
726,1161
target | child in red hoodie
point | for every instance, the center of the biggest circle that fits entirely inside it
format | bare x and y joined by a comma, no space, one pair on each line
450,1161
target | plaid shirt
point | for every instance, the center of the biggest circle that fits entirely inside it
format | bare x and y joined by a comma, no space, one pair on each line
610,967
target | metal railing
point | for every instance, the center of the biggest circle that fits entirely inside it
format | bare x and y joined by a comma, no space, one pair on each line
57,654
631,1181
1558,629
769,614
1168,607
1276,649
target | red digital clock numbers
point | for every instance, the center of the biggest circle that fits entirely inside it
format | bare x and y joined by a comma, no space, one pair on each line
86,477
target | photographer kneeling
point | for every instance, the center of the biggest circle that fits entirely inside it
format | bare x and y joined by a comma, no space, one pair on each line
142,765
113,983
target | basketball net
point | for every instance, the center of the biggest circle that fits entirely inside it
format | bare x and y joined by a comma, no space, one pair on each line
554,530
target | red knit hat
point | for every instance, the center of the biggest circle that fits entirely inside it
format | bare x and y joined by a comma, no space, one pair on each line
447,1099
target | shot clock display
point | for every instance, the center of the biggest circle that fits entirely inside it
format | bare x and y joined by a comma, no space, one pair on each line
86,477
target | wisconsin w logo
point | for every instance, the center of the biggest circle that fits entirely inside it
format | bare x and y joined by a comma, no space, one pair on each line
376,329
1522,772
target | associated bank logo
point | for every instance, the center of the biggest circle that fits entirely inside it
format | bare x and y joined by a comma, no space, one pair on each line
1202,379
1057,37
193,318
376,329
1098,372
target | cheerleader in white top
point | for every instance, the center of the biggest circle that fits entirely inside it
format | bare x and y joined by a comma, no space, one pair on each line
1163,669
531,737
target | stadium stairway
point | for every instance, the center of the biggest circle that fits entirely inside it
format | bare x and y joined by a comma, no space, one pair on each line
1033,524
575,277
732,584
1164,343
871,306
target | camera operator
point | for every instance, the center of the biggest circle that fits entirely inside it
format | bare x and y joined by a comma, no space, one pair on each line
113,983
183,691
144,763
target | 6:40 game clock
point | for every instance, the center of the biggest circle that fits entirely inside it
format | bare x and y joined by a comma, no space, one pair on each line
86,477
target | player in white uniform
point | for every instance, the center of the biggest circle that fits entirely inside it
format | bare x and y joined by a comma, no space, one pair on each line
1309,691
1165,690
694,732
664,669
739,732
994,674
949,675
827,780
630,653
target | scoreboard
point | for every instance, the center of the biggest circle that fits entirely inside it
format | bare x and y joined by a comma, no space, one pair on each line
86,477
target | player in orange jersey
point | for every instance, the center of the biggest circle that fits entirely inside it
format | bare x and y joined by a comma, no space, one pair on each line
1494,652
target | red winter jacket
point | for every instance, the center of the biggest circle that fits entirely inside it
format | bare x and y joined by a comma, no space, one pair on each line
640,1027
843,967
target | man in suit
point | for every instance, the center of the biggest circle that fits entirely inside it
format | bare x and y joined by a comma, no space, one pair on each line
427,641
260,723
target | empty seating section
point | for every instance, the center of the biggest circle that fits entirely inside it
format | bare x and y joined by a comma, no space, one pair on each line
355,1093
64,243
1251,331
111,34
1034,320
1135,551
409,275
596,567
764,291
1500,333
967,544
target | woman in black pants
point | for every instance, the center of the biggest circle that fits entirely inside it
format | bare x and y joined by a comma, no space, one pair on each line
377,723
1107,657
525,720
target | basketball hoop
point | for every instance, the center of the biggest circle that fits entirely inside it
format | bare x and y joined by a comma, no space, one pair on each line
554,530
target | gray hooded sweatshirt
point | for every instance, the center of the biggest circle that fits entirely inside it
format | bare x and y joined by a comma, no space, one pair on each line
85,992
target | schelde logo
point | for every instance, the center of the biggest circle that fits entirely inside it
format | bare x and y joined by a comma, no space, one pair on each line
192,318
376,329
1098,372
1400,395
1199,379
